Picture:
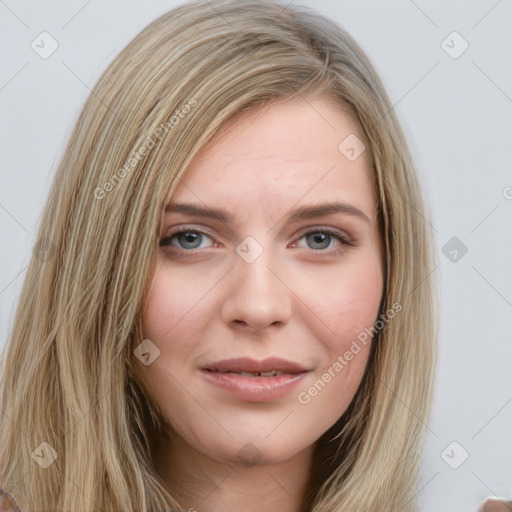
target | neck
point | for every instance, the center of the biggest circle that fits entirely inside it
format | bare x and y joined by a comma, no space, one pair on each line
203,484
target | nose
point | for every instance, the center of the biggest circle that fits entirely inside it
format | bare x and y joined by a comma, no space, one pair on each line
257,295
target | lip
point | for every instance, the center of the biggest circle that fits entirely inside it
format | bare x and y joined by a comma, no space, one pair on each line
255,389
246,364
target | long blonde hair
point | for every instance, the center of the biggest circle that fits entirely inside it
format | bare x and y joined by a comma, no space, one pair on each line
70,378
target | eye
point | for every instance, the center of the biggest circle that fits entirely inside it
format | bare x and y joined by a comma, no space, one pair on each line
186,239
320,239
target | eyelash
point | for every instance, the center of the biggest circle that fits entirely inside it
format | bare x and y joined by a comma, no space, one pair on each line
318,252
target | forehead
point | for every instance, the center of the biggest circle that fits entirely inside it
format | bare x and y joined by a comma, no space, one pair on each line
291,151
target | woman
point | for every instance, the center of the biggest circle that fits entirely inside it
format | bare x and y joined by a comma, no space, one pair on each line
230,304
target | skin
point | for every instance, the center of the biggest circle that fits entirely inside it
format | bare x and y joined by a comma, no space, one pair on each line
301,299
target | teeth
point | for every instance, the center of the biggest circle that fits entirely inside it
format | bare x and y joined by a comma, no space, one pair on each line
271,373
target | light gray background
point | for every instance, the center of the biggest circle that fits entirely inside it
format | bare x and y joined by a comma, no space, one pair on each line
457,116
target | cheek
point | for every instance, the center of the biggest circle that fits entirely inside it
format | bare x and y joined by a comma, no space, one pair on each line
360,293
349,305
173,306
347,300
171,319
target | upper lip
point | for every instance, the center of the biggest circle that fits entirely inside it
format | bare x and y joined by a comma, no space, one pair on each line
246,364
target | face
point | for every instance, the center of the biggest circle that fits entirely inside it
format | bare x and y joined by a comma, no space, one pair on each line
269,261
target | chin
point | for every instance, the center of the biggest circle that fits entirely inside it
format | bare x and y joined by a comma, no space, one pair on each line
251,450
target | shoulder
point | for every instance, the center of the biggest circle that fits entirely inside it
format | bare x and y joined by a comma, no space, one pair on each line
7,503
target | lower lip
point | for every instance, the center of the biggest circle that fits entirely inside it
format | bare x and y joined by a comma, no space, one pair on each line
255,389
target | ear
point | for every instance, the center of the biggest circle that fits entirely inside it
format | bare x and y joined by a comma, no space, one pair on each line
495,505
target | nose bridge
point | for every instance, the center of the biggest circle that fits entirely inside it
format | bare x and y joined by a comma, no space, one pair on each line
256,297
253,266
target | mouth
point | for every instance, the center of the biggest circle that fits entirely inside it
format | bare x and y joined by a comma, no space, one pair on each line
248,367
255,381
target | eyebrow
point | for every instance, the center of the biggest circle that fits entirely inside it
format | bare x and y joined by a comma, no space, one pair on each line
300,213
